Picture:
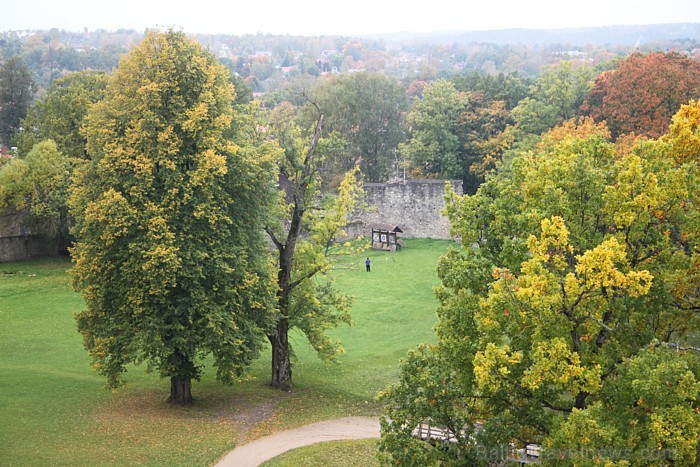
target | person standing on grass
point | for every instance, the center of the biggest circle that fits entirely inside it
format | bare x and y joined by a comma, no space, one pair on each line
367,261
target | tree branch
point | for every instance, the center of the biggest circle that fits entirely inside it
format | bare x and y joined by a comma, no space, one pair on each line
600,323
554,407
274,239
312,149
674,346
306,276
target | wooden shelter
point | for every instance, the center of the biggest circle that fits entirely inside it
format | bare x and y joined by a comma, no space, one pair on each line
385,237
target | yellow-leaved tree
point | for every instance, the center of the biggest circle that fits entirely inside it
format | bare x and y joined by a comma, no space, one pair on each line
170,254
570,316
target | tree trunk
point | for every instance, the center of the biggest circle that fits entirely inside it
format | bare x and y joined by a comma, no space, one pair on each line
59,245
180,390
281,365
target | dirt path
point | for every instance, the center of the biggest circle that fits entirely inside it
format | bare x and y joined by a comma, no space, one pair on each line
254,453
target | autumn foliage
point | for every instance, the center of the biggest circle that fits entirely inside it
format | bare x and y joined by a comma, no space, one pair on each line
166,256
569,316
643,92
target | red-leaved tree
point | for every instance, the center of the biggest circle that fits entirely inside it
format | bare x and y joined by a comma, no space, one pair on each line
643,92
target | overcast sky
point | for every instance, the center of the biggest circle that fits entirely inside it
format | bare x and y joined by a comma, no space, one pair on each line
316,17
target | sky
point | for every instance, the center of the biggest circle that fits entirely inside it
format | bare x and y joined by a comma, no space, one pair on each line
350,17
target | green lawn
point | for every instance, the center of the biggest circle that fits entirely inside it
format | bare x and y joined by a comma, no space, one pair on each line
360,453
55,409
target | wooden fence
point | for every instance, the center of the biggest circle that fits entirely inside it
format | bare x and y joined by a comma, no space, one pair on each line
529,454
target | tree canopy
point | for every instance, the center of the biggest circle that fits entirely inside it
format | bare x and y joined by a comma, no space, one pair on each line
643,91
433,146
555,96
568,317
60,113
366,110
459,134
16,94
169,253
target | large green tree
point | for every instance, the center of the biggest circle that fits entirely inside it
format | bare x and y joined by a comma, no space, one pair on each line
458,134
50,139
59,114
170,255
555,96
568,317
433,147
16,94
367,111
509,88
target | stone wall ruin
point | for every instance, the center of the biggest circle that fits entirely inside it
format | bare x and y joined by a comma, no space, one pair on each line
413,205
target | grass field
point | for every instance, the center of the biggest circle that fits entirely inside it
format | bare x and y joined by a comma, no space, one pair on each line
55,409
359,453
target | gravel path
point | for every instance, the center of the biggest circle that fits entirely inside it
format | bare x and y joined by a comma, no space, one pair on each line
256,452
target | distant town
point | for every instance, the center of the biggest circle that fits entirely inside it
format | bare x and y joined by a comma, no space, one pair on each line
265,62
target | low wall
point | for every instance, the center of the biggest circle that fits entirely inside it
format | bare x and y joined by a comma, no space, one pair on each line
413,205
17,243
23,247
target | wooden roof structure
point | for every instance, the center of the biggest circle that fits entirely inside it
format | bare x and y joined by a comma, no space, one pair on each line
386,237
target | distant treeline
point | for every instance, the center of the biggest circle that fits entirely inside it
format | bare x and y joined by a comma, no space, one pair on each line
268,61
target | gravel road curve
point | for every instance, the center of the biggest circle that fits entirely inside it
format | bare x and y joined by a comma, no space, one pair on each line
256,452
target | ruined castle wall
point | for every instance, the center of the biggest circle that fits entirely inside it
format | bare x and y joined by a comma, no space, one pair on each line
16,243
23,247
413,205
